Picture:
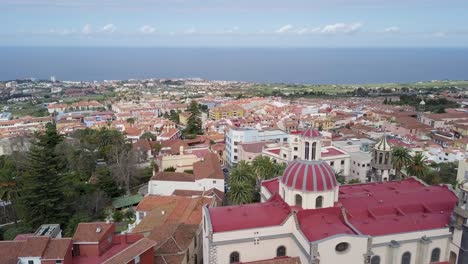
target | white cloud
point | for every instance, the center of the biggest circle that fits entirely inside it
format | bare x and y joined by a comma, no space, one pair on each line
147,29
341,28
87,29
327,29
109,28
392,29
285,29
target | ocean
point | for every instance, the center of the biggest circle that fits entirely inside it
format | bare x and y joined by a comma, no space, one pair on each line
270,65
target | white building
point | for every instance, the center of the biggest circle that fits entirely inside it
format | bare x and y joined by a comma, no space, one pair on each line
307,214
207,174
243,135
360,154
307,145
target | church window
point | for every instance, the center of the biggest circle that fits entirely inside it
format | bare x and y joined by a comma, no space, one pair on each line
380,158
375,260
298,200
406,258
314,150
281,251
306,151
319,202
234,257
435,255
342,247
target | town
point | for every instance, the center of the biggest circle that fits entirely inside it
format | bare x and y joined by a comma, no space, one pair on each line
203,171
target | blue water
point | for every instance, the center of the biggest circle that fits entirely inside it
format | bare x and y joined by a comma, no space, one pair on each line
290,65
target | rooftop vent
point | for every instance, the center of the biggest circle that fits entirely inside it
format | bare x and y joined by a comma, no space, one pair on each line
98,230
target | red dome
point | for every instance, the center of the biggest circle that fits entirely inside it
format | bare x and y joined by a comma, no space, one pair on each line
311,176
311,133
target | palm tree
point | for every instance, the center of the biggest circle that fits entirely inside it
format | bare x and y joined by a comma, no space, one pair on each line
339,177
418,166
265,168
400,159
243,172
241,193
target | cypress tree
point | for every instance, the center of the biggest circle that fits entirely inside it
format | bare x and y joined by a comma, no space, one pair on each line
42,184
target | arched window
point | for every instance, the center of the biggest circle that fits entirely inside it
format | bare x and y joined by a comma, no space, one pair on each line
406,258
298,200
281,251
319,202
380,158
234,257
314,150
375,260
306,151
387,155
435,255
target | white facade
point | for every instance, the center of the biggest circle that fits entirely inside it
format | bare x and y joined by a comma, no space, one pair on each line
243,135
168,187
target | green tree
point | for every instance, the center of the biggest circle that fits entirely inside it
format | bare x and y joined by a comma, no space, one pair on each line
149,136
170,169
42,196
8,182
242,184
354,181
106,183
73,223
131,120
418,166
194,123
339,177
400,159
241,192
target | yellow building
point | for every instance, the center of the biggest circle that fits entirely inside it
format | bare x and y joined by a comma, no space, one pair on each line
226,111
183,118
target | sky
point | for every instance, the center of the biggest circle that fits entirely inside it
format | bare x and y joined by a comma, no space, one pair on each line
235,23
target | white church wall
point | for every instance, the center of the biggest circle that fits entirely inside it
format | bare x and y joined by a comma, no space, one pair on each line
354,254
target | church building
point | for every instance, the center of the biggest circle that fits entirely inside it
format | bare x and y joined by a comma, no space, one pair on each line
306,214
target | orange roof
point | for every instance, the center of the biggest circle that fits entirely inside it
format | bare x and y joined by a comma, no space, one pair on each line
132,251
91,232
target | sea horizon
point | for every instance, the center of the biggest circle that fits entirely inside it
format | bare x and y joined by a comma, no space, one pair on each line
302,65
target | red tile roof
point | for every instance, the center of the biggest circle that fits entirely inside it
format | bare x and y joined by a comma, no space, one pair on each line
34,247
271,185
309,176
57,249
91,232
331,151
173,176
209,168
228,218
321,223
9,251
397,207
129,253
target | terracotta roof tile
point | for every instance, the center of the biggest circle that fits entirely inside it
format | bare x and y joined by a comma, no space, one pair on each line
208,168
174,176
57,248
9,251
87,232
34,247
132,251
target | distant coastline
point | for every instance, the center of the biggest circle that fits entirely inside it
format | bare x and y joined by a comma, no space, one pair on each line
263,65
